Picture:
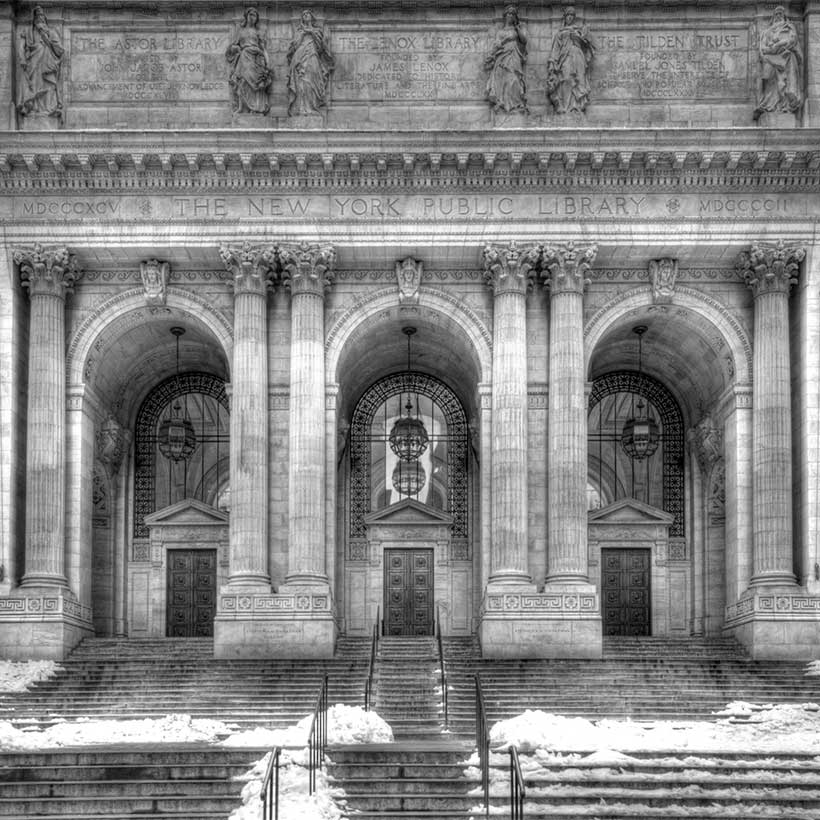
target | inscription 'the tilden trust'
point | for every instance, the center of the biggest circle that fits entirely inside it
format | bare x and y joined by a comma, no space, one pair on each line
393,208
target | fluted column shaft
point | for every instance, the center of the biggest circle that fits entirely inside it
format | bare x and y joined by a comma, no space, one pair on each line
566,267
47,273
252,268
307,271
509,272
770,271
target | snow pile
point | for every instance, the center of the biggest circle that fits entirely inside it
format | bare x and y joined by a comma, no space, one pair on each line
345,724
17,676
294,801
175,728
813,669
783,728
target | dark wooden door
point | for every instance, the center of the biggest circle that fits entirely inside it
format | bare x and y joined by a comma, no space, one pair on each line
408,591
625,591
191,593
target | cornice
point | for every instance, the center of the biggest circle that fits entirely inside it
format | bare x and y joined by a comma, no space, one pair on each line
320,155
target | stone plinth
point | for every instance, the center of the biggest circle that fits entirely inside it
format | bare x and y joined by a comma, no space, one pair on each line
557,624
776,623
285,625
42,626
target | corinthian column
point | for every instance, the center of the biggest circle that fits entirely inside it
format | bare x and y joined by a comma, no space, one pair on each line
566,267
47,273
252,268
307,272
509,270
770,271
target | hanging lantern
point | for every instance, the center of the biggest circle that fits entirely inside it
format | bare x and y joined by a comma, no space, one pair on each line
640,435
408,438
409,478
176,438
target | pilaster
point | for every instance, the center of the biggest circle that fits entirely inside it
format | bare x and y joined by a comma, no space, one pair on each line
811,24
8,119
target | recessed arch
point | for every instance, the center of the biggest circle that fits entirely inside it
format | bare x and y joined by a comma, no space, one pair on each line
717,315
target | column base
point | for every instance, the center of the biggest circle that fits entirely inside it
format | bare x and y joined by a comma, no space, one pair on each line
776,623
42,623
550,624
289,624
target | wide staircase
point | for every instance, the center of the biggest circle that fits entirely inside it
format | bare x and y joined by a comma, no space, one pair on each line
641,679
111,678
132,679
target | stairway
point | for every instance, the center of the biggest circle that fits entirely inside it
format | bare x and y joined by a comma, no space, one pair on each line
389,783
124,783
150,678
408,687
643,679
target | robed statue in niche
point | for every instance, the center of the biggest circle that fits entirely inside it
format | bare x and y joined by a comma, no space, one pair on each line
506,85
569,66
310,63
250,75
781,67
41,58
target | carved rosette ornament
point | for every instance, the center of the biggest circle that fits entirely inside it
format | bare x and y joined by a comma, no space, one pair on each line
707,441
770,268
307,268
47,271
509,269
111,443
663,274
253,267
154,275
566,265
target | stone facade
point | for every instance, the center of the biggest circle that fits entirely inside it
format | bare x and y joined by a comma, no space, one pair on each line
523,187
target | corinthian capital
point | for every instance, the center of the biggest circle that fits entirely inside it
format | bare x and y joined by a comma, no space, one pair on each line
566,266
253,267
307,268
770,267
509,269
47,271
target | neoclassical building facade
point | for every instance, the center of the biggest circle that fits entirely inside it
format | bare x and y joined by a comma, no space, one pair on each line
502,317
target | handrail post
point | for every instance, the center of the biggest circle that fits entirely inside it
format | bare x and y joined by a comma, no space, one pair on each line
443,673
270,786
482,739
517,790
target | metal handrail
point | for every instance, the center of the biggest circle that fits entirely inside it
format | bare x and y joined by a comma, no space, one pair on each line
270,787
482,742
317,736
517,790
371,665
444,696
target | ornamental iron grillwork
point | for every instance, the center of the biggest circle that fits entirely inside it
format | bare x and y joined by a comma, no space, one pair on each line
363,438
211,455
635,385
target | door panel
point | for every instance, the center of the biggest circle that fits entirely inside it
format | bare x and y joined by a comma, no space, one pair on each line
191,593
625,591
408,591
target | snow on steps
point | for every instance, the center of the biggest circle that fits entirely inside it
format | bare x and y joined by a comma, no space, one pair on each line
410,782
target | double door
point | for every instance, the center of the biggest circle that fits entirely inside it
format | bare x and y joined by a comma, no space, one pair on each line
408,592
191,601
625,592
